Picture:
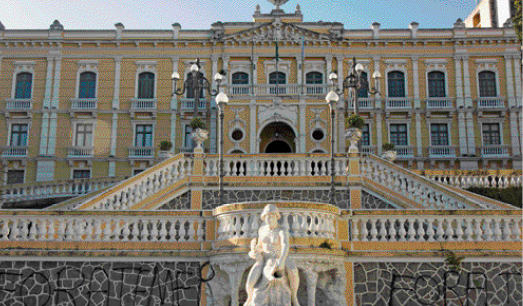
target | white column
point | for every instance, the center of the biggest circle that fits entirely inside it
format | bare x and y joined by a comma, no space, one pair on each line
415,77
174,116
174,97
514,131
302,107
299,70
48,84
117,73
379,133
471,135
114,133
463,147
517,70
377,99
339,60
459,83
52,134
466,79
45,134
341,129
328,62
419,142
55,102
511,99
252,126
214,59
255,70
226,60
174,107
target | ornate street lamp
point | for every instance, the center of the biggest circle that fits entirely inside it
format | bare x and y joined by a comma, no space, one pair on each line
354,81
221,100
198,83
332,99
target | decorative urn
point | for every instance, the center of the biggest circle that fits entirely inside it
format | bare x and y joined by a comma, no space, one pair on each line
354,135
199,136
389,155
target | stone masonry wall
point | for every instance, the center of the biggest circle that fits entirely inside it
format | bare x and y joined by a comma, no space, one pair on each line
429,283
100,283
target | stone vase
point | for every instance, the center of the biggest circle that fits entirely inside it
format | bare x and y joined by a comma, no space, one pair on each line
199,136
389,155
165,154
354,135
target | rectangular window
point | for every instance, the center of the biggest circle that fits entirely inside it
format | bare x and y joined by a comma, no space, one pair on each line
491,134
15,177
188,139
398,134
439,135
144,135
18,135
84,135
81,174
365,139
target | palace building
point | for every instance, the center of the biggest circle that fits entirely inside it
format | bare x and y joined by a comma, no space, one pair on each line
84,113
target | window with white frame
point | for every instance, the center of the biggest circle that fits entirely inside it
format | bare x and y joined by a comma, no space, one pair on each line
146,85
396,84
487,84
87,88
365,138
240,78
15,177
18,135
23,87
439,134
436,84
314,77
491,134
144,135
188,139
398,134
84,135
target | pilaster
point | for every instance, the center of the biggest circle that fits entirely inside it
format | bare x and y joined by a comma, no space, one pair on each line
514,133
379,134
174,116
55,102
328,65
341,129
196,178
354,180
459,83
415,77
299,61
52,134
518,81
213,138
44,138
466,79
114,133
255,70
377,97
511,99
462,129
252,126
302,107
339,60
48,84
117,73
419,143
214,59
471,135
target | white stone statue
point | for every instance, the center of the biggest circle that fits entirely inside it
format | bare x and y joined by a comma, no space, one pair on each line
274,279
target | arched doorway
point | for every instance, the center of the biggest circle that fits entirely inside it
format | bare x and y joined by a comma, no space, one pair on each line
277,137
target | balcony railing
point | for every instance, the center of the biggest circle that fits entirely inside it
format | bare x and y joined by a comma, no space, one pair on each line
80,152
404,151
442,151
368,150
398,103
141,152
494,151
439,102
494,102
143,104
363,103
487,181
19,104
188,104
14,152
83,104
280,89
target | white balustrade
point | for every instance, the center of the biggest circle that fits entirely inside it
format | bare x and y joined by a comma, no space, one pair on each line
141,152
188,104
415,187
439,102
84,103
86,227
368,149
302,223
494,151
398,103
494,102
487,181
80,152
363,103
14,152
143,104
442,151
273,89
436,228
404,151
16,104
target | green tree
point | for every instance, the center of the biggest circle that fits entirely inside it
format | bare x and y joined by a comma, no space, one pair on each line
517,17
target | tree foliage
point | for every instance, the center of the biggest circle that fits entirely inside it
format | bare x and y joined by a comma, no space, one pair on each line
511,195
517,18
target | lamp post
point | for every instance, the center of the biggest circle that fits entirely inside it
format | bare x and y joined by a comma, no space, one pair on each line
198,83
332,99
354,81
221,100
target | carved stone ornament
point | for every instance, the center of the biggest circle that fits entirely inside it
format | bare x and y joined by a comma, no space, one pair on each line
354,135
278,111
199,136
274,279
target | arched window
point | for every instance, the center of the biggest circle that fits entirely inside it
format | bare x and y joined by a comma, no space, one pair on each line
436,84
24,83
87,85
487,84
314,78
362,92
190,85
396,84
240,78
146,85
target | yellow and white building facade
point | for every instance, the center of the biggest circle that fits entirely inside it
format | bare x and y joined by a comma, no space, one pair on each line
84,112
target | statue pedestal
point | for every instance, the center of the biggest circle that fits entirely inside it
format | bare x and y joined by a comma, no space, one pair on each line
272,290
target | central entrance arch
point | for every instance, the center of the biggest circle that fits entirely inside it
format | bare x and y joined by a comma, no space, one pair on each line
277,137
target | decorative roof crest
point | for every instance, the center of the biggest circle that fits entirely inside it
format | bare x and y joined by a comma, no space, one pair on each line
278,3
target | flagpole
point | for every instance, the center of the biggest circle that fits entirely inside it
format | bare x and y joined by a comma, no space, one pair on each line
277,73
252,65
302,63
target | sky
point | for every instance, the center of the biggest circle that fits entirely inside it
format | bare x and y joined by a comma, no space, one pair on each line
200,14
